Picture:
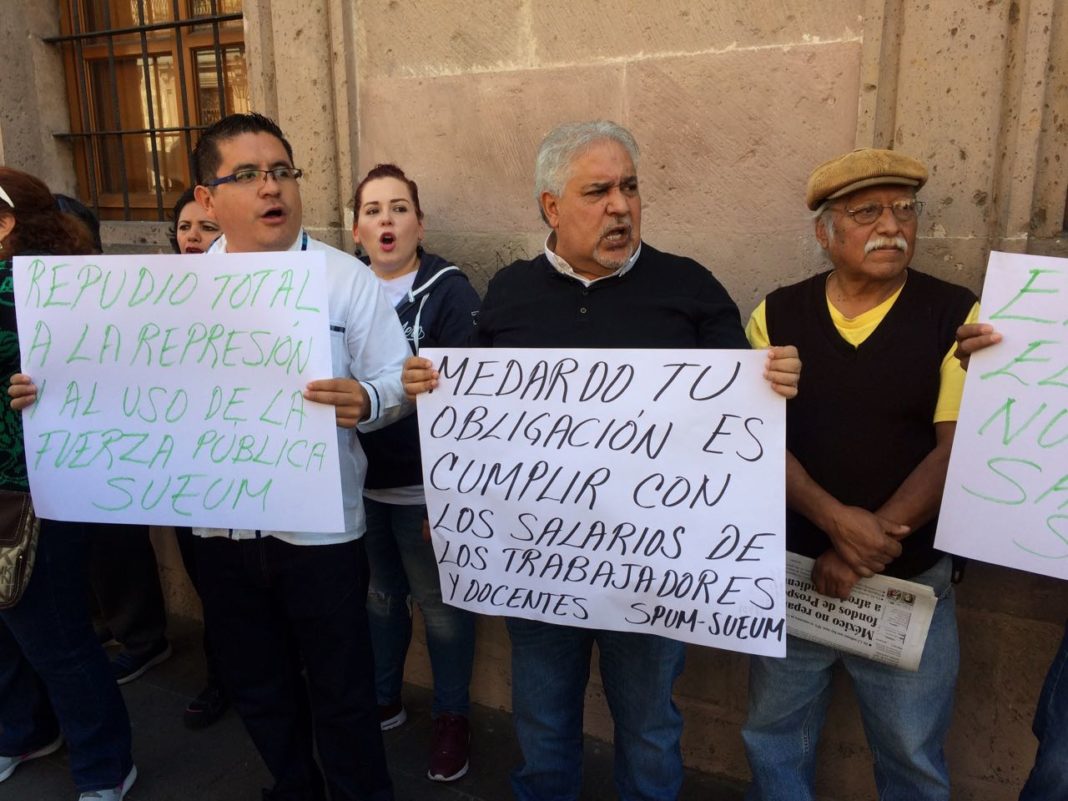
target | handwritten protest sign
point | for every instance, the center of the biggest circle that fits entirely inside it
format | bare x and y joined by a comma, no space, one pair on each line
1006,497
627,490
169,390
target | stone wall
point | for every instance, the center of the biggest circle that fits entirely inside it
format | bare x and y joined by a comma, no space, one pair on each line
32,95
733,103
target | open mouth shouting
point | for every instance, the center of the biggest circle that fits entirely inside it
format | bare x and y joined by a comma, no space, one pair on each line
617,235
275,215
388,242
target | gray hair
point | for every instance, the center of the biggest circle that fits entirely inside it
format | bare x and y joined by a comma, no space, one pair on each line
825,213
564,143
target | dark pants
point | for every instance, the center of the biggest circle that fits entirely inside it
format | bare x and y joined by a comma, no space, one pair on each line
125,581
187,546
550,671
272,607
54,674
1049,777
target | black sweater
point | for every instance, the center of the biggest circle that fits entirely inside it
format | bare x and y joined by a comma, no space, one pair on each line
863,419
663,301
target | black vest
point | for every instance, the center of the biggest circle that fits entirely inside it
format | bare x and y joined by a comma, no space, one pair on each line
863,419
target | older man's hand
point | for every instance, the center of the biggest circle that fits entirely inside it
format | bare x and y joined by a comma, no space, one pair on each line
347,395
22,391
832,576
866,542
783,370
418,376
973,337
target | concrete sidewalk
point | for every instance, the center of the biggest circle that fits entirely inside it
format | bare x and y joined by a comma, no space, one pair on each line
220,764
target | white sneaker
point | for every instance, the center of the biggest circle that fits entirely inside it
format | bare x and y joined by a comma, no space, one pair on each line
112,793
9,763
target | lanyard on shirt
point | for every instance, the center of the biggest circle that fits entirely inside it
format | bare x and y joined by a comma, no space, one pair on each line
304,240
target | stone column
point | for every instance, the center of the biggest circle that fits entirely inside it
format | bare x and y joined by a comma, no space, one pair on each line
299,56
33,98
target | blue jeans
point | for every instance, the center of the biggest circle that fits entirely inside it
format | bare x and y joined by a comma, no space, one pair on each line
1049,777
54,676
273,608
550,670
906,715
402,565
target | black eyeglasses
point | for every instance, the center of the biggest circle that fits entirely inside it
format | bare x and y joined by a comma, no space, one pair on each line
903,211
247,176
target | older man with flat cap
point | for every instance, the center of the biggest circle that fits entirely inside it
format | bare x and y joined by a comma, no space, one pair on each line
868,445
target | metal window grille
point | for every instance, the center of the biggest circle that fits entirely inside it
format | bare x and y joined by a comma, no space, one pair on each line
143,78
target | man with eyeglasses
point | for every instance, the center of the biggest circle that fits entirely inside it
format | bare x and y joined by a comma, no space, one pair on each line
282,602
868,445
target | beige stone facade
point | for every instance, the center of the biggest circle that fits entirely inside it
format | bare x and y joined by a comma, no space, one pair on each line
732,103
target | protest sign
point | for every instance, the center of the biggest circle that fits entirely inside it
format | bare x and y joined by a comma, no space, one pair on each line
629,490
1006,496
169,390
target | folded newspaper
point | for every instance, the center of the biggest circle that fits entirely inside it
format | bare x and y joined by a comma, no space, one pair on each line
885,619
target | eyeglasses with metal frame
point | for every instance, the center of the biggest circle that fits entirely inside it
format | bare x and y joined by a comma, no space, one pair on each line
903,211
247,176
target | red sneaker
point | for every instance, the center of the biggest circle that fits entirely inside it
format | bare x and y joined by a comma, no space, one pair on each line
449,747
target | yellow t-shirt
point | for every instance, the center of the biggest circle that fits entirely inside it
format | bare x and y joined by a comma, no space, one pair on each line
855,330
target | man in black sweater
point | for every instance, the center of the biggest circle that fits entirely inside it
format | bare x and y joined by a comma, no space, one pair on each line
597,285
868,446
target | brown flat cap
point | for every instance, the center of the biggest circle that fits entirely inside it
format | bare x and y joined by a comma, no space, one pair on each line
865,167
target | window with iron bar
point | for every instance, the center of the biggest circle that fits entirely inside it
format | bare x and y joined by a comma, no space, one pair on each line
144,77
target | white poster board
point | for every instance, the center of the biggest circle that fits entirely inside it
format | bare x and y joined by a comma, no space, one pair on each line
1006,497
639,490
169,390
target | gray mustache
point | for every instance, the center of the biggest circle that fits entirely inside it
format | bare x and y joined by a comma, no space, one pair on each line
886,242
624,224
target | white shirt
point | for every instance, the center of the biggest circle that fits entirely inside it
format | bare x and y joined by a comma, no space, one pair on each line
563,267
397,289
366,343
